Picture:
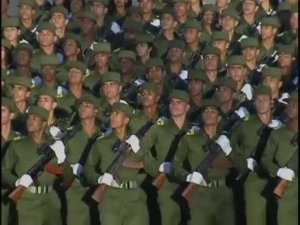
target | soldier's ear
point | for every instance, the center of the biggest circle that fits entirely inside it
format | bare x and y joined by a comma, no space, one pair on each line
12,115
105,10
199,35
219,117
257,52
187,107
120,88
280,84
227,45
54,105
256,8
28,93
175,23
66,21
55,38
236,23
19,32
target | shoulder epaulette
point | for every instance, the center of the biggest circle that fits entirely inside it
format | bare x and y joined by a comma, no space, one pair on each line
161,121
192,131
18,138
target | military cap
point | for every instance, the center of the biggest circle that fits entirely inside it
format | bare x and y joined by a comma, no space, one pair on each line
210,7
220,35
214,102
91,99
144,38
24,46
197,75
127,54
175,1
177,44
294,96
210,50
10,22
89,15
133,25
230,12
5,43
168,10
123,107
8,102
48,60
193,24
59,9
49,91
27,2
270,21
180,94
134,10
20,80
284,6
73,36
249,42
111,77
152,62
102,47
42,112
46,26
227,82
104,2
262,90
149,86
236,60
272,72
77,65
255,1
285,49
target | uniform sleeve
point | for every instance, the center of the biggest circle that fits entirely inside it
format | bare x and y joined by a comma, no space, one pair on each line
9,177
178,161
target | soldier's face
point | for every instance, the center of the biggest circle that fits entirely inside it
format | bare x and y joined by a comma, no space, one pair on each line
228,23
292,110
87,25
98,8
23,58
75,76
178,107
102,59
76,6
111,90
272,82
20,93
71,47
211,62
87,110
263,104
156,75
250,53
126,65
34,123
211,116
181,9
149,98
47,102
120,3
59,20
237,72
175,55
209,17
26,12
249,7
221,45
225,94
11,33
191,36
6,115
195,87
222,3
49,72
285,59
294,21
46,38
118,119
146,5
167,22
267,32
142,49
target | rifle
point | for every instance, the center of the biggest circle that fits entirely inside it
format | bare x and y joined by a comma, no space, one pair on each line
282,184
214,150
194,58
82,159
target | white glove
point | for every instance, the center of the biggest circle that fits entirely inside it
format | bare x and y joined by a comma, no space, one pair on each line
56,132
134,143
106,179
155,22
242,37
165,167
25,180
251,164
59,150
115,27
286,174
77,169
183,75
275,124
242,112
284,97
224,143
248,91
261,67
196,178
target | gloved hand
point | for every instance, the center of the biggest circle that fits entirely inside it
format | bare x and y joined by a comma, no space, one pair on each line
242,112
224,143
165,167
251,163
248,91
25,180
56,132
196,178
106,179
242,37
77,169
59,150
286,173
134,143
284,98
115,27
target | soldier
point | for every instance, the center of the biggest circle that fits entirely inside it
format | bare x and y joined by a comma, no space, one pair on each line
172,130
59,17
210,15
250,51
39,204
152,21
282,146
220,40
6,57
272,77
144,48
237,70
124,202
181,10
11,30
195,8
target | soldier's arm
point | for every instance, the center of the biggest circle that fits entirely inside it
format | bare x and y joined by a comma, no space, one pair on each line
180,156
68,173
9,176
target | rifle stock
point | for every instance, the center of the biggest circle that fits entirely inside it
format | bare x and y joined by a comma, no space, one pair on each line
189,191
99,193
16,194
159,180
53,169
280,188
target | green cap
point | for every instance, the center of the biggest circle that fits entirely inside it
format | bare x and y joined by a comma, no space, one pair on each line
236,60
193,24
168,10
134,10
59,9
227,82
230,12
133,25
294,96
27,2
89,15
111,77
175,1
25,46
249,42
177,43
210,50
127,54
255,1
48,60
123,107
289,49
270,21
194,74
214,102
8,102
284,6
149,86
180,94
262,90
77,65
10,22
45,90
5,43
46,26
153,62
91,99
73,36
144,38
42,112
102,47
272,72
220,35
104,2
210,7
20,80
